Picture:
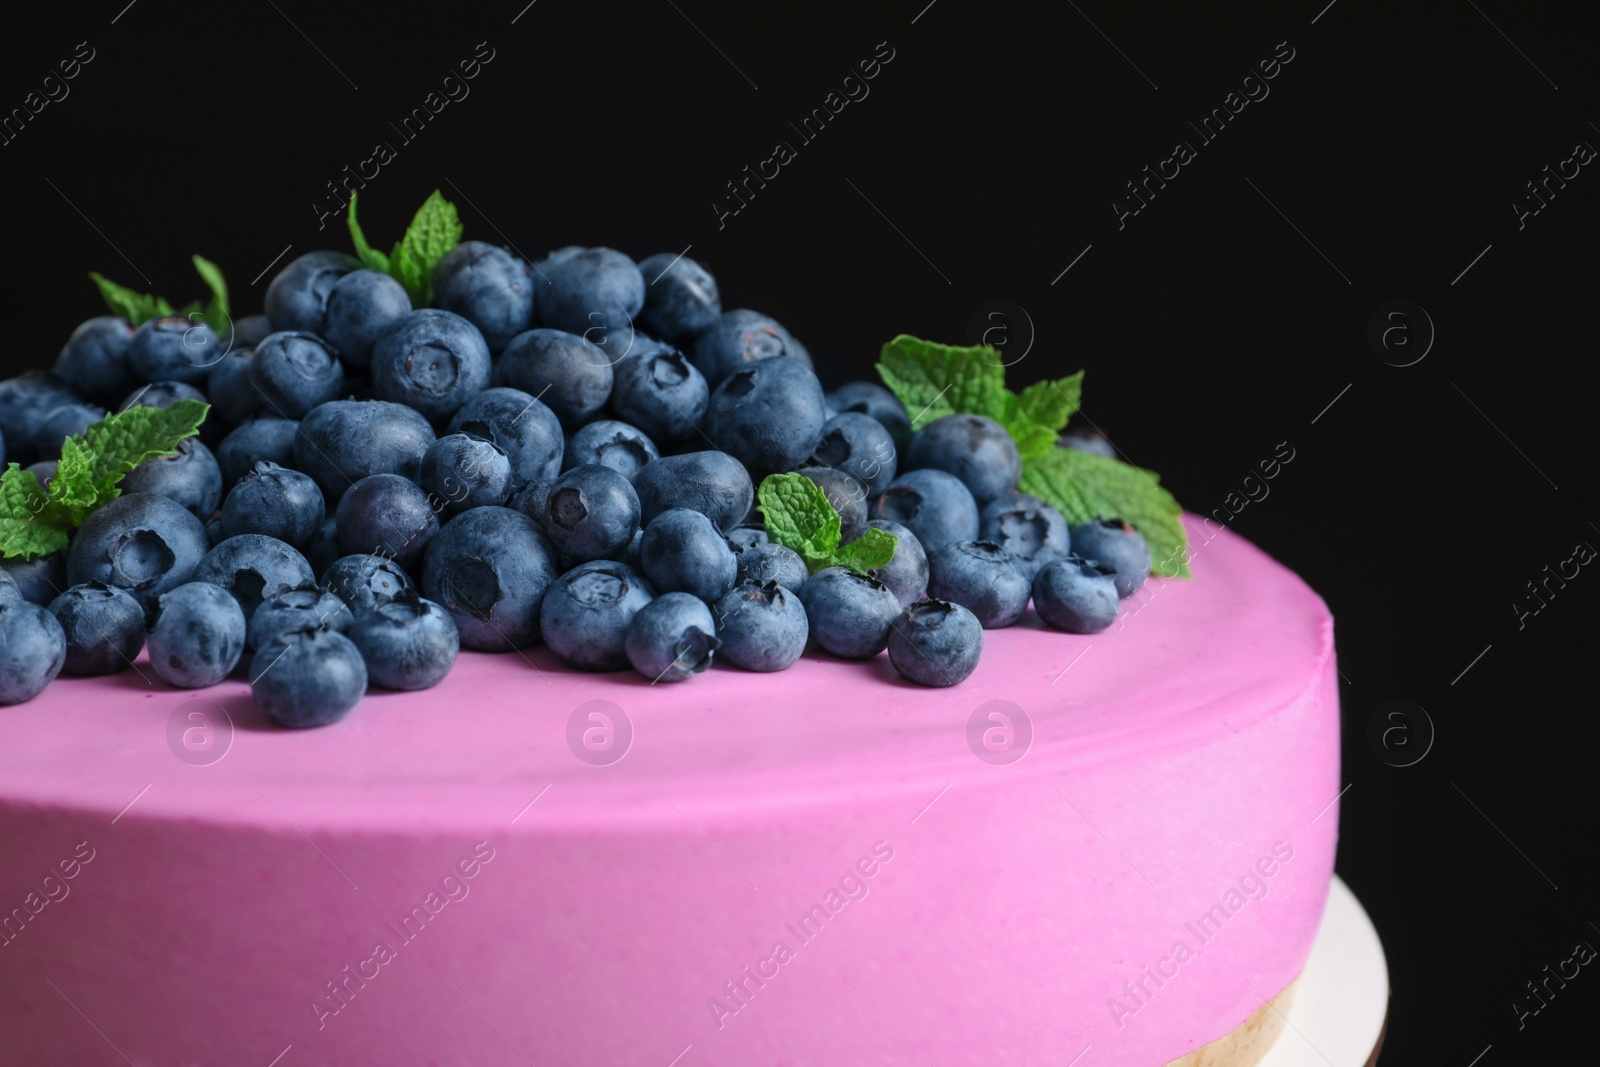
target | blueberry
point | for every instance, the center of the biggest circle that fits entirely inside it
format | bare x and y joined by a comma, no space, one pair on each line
460,472
68,420
586,612
324,547
408,643
870,398
662,393
198,635
104,627
739,339
35,648
9,589
432,360
981,577
569,373
934,505
24,402
974,448
1115,544
681,300
612,444
591,513
1090,441
764,562
233,399
847,495
247,332
860,446
386,515
850,612
343,441
490,568
189,475
297,296
587,289
762,626
94,361
173,348
276,501
747,536
671,638
297,609
712,483
253,568
936,642
683,551
1076,595
143,543
906,573
266,438
294,372
40,579
361,305
309,677
161,395
364,581
487,286
769,416
1033,532
524,427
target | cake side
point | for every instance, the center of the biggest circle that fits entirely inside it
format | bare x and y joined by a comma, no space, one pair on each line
926,902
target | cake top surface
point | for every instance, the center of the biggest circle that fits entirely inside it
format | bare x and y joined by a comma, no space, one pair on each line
1185,661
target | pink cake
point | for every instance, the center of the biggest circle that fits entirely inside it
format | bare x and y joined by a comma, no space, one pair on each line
814,867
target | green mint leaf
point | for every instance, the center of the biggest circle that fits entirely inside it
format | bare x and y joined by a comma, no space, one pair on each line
216,314
137,308
434,231
72,488
370,257
1083,486
120,442
30,525
934,380
873,549
799,516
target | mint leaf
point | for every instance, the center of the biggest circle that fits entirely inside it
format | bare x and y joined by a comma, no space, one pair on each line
434,231
369,256
934,380
1083,487
798,516
216,314
137,308
29,524
120,442
73,487
873,549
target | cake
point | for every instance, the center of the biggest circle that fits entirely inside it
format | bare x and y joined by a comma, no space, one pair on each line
1107,849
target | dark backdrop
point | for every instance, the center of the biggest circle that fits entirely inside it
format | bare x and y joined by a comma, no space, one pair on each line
1215,324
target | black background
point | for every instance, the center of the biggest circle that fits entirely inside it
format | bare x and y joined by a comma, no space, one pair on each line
981,164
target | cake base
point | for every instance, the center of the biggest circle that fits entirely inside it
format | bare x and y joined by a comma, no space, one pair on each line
1250,1044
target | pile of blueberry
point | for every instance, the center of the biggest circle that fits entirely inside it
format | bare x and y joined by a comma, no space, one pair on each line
566,451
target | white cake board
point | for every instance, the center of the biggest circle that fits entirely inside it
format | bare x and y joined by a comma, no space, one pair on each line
1343,994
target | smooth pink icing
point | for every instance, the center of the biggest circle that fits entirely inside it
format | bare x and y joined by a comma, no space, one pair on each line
1176,750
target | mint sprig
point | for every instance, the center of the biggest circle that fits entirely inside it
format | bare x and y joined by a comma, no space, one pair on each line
35,521
934,380
434,231
799,516
139,308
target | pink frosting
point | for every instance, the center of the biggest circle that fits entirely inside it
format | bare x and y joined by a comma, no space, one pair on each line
596,913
